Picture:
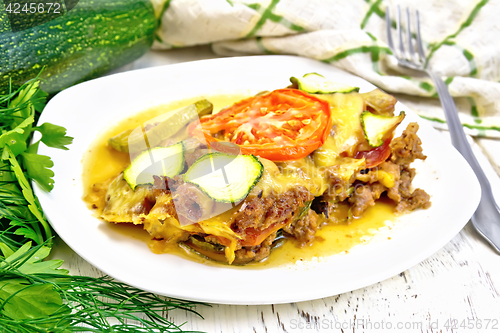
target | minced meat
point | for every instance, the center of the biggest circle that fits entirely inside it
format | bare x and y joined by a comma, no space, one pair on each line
304,229
369,187
261,212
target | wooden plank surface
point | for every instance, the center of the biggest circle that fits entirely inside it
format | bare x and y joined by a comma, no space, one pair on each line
455,290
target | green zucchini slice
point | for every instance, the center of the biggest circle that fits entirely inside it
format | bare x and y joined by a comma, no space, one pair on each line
160,161
224,177
160,128
315,83
376,127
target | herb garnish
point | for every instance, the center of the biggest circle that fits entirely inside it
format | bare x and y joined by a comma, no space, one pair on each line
36,295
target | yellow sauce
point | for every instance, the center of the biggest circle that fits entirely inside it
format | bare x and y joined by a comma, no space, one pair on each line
332,238
102,163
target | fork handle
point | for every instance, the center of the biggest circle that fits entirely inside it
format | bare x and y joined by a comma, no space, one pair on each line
458,138
459,141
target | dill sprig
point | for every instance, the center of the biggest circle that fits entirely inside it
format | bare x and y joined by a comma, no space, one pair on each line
88,304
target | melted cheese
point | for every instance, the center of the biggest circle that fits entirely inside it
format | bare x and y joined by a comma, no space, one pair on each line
123,203
307,172
346,131
274,181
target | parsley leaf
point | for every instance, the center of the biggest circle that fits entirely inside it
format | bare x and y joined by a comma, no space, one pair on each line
54,136
14,140
39,100
26,232
6,250
28,261
38,168
22,300
28,194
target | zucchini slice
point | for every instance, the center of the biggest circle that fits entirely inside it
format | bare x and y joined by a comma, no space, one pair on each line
160,128
160,161
224,177
315,83
376,127
216,253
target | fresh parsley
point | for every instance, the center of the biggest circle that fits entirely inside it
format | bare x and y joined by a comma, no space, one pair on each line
54,136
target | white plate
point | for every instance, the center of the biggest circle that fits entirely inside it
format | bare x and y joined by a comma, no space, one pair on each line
88,108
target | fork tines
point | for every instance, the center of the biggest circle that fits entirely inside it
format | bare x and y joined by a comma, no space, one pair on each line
406,56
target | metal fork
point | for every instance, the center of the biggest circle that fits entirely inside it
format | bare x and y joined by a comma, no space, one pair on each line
486,219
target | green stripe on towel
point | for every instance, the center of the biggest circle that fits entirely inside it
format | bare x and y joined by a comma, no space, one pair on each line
369,13
475,127
264,16
357,50
467,22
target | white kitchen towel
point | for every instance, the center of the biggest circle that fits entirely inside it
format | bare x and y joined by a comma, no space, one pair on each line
461,39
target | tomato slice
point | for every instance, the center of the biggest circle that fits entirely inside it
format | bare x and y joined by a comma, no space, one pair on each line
376,155
285,124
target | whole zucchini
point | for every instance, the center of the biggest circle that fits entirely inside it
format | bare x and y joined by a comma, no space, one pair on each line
91,39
